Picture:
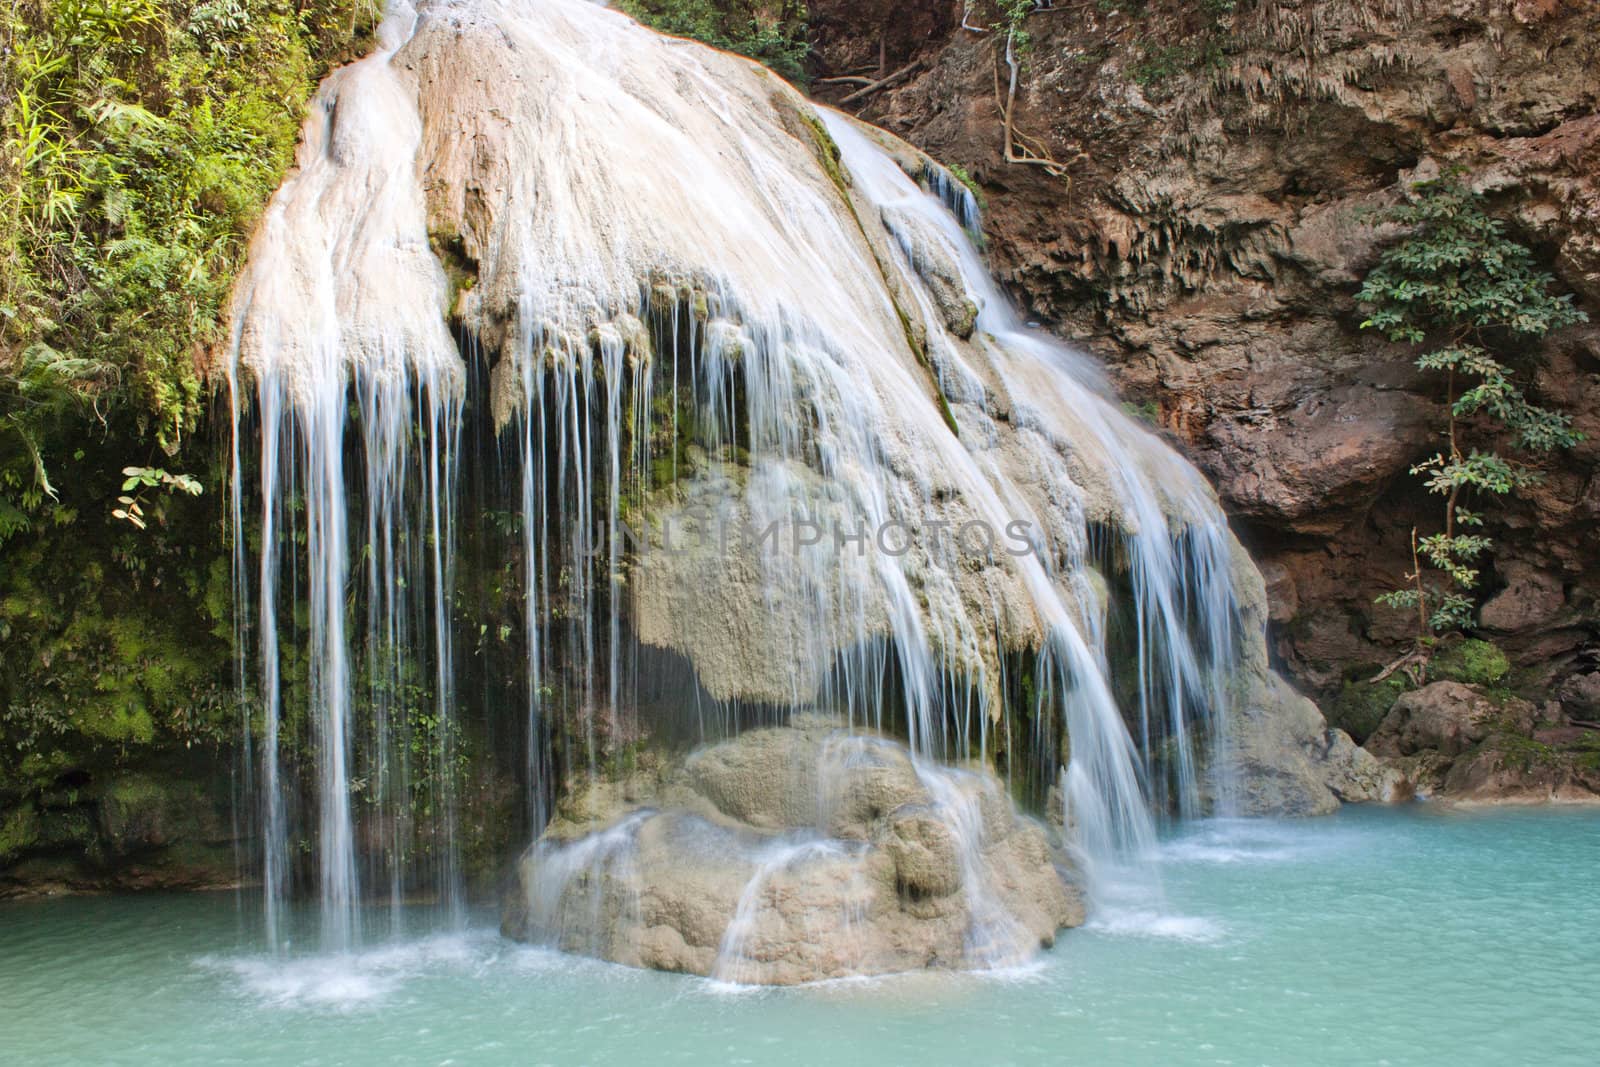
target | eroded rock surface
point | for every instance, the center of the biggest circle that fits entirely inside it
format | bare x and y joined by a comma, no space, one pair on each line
793,854
1208,238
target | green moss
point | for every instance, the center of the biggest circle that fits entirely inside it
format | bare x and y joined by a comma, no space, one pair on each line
1146,411
121,719
136,792
1521,751
1361,705
19,830
1472,662
1586,752
828,154
461,271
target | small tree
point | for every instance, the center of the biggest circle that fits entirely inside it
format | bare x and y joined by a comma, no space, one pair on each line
1461,290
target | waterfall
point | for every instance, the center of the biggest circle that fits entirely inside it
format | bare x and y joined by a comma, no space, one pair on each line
340,334
772,438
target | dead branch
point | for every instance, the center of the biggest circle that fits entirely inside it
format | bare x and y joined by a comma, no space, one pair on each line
1413,663
884,82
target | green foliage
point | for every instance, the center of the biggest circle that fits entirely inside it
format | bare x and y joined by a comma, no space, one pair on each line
1159,63
1014,23
1457,286
141,139
41,389
772,32
1194,39
962,175
139,479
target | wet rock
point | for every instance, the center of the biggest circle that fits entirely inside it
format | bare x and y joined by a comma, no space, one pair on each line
798,853
1516,770
1461,744
1288,762
925,853
1279,756
1580,694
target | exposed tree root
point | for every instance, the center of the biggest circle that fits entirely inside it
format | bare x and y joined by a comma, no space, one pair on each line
1016,147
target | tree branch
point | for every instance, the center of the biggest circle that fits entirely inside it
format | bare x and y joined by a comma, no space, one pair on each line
883,83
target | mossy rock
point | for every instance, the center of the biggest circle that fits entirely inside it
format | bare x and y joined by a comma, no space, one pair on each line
139,811
19,830
1361,705
1471,662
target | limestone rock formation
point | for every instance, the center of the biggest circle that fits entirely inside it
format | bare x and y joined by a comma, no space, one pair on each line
1278,755
1508,770
706,238
792,854
1287,760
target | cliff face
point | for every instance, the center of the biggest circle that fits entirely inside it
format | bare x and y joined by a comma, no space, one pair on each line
1204,229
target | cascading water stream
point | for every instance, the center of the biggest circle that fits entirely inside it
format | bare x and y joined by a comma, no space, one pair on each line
1182,601
381,362
703,305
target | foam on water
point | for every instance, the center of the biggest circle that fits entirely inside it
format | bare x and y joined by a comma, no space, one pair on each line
1248,841
1120,922
350,981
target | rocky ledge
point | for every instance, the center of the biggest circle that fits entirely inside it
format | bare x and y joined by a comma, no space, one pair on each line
793,854
1470,744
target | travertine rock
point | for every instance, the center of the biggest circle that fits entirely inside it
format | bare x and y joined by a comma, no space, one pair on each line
793,854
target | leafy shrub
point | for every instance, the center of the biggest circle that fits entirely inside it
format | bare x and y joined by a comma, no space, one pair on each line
1469,296
773,33
141,140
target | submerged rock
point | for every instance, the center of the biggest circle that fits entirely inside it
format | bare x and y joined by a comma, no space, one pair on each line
793,854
